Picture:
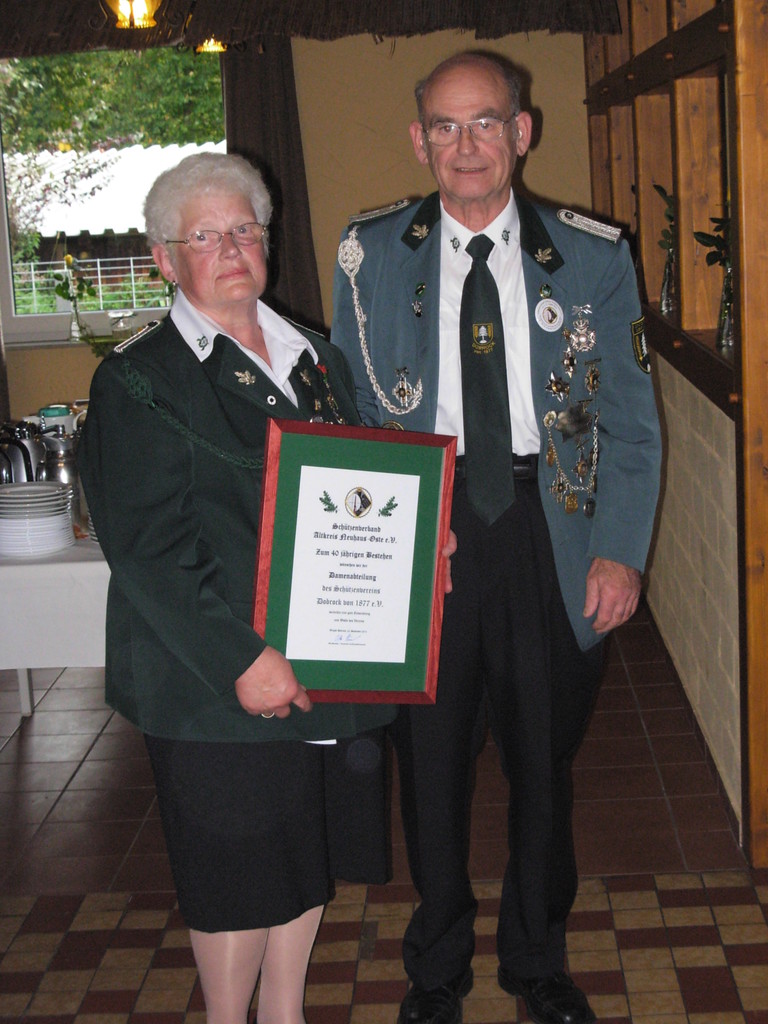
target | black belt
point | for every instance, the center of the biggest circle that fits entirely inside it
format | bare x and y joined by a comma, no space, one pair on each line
524,467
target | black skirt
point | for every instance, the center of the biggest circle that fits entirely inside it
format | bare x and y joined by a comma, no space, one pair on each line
257,832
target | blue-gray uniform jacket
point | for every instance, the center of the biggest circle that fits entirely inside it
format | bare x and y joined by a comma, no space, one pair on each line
590,374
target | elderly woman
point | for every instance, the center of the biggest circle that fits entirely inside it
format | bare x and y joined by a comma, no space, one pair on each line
258,821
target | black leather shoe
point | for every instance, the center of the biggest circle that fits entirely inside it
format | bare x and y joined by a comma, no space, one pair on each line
553,999
436,1005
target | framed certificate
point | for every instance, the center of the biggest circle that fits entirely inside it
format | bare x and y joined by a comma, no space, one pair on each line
349,577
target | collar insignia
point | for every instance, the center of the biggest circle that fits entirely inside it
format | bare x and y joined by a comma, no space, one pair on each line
505,236
202,343
455,244
543,255
245,377
420,230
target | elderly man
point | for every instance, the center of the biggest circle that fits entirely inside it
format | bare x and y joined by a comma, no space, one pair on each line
518,329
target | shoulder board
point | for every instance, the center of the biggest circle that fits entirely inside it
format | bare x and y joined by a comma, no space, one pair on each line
149,329
383,211
594,227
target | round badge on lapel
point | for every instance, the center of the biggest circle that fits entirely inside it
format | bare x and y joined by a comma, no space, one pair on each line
549,315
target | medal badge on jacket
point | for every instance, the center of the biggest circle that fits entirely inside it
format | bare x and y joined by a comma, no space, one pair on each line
576,415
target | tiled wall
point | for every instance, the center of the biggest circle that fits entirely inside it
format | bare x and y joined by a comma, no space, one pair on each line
693,575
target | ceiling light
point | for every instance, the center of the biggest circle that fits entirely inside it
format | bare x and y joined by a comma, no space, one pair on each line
211,46
134,13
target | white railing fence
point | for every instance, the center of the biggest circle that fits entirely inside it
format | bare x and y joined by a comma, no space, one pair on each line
129,282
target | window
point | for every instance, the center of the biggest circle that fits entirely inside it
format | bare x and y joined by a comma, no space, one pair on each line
82,138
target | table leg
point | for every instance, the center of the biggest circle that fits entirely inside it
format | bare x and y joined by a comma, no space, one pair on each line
25,691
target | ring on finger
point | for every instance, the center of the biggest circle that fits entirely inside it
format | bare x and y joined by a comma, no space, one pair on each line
265,715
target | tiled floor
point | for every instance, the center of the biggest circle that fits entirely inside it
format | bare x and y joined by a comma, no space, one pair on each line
669,927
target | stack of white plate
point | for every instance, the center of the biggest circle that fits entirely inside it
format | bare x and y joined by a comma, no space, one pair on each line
91,529
35,519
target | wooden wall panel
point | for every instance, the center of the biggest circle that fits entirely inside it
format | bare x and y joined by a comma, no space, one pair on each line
700,195
600,163
685,11
594,58
653,166
750,142
617,51
648,23
622,155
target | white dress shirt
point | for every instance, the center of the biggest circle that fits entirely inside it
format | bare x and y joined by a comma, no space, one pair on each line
283,341
506,264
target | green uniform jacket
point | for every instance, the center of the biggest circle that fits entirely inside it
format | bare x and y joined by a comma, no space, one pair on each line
170,460
394,262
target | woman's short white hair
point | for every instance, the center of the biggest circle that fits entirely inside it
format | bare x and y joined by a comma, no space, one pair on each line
200,175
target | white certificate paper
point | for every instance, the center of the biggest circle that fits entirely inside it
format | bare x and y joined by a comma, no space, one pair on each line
352,565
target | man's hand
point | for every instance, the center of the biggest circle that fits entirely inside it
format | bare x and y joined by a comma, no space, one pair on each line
613,591
447,552
268,686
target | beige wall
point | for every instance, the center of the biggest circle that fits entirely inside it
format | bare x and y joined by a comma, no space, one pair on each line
44,376
693,576
355,102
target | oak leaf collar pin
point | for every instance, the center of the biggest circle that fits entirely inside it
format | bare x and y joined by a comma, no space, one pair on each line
245,376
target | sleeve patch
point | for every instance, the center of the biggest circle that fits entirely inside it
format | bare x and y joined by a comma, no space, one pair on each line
640,345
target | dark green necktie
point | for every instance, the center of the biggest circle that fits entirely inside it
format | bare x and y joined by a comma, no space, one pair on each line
487,432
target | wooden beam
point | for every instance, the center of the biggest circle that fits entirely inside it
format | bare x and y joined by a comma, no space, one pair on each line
749,139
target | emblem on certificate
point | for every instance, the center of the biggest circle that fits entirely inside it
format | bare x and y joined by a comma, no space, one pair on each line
358,502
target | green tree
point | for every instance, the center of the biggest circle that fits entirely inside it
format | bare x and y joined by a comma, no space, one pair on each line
30,185
95,100
90,101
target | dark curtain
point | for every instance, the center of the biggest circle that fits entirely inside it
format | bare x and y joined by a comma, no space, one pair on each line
262,124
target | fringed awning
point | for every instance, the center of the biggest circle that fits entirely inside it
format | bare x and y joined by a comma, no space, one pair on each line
36,27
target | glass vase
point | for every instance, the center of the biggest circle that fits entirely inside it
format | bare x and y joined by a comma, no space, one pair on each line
725,319
79,329
75,327
668,298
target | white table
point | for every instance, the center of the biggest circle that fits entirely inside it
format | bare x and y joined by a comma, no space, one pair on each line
52,612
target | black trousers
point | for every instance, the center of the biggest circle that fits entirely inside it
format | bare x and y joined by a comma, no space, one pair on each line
505,635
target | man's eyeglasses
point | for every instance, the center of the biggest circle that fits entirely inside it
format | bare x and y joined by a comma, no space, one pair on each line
485,129
206,240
